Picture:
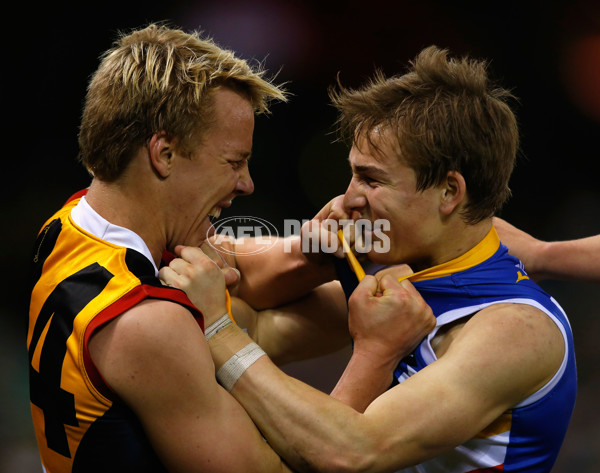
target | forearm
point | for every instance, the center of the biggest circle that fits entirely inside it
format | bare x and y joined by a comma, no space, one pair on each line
312,326
577,260
573,259
279,275
309,429
385,328
364,379
231,429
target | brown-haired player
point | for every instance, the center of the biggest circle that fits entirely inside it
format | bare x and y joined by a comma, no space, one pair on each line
493,386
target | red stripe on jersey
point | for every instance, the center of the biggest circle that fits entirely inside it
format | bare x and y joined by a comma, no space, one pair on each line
133,297
494,469
77,195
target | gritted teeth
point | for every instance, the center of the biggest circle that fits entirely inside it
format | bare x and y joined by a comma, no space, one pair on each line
215,212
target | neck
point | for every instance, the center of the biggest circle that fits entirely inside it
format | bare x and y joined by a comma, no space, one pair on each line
454,241
460,240
480,252
132,207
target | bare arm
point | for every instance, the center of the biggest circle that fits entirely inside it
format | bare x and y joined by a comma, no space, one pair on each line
377,352
476,375
289,269
155,357
314,325
317,324
280,275
578,260
500,356
310,326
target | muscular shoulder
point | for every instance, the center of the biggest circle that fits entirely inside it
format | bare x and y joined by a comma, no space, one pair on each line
517,344
147,343
152,321
520,326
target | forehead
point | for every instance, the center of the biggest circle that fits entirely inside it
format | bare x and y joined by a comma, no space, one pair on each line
231,126
231,108
381,159
378,151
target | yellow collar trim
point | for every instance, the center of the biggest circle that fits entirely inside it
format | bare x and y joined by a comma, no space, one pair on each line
476,255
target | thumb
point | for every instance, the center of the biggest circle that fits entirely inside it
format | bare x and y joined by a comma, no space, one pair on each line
388,284
367,286
232,276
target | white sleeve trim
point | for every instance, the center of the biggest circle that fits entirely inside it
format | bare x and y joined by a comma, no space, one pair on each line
456,314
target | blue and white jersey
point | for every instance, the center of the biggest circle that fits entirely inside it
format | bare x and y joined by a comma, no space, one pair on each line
527,437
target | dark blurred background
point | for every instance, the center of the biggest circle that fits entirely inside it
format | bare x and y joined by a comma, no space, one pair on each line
547,52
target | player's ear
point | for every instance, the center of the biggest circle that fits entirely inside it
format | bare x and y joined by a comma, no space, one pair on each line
160,149
454,192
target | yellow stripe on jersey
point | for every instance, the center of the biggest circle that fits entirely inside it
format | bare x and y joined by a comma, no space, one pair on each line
499,426
476,255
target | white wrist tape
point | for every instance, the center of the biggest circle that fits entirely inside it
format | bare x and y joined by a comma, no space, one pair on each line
236,366
220,324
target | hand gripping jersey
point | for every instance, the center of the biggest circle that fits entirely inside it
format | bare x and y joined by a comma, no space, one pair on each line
526,438
79,283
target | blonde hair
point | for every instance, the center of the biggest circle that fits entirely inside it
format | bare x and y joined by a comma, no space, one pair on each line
446,115
160,79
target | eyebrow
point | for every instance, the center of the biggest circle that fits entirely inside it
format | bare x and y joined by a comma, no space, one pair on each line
370,170
244,154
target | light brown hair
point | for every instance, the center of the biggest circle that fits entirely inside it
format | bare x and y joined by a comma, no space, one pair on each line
159,79
446,116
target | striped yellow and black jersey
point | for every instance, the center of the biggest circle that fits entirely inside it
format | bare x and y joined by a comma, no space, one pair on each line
79,283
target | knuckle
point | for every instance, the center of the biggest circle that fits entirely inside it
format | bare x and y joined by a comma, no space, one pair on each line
175,282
